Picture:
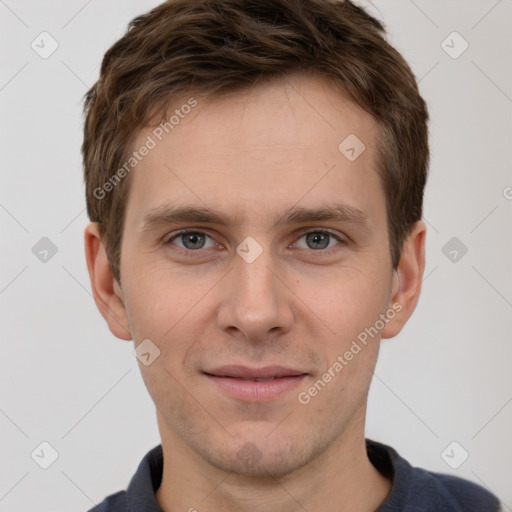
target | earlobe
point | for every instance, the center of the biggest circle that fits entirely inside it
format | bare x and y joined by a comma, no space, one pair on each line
107,293
407,278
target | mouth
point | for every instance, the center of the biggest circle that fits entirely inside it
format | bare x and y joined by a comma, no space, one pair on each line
255,384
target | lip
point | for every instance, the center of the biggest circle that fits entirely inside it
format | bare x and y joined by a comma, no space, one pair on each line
243,372
240,381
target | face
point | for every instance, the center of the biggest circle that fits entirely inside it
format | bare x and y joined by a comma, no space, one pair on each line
255,249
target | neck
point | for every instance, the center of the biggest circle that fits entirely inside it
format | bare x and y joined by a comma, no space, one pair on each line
342,479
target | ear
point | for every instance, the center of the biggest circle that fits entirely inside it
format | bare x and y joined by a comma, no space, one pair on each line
407,279
106,291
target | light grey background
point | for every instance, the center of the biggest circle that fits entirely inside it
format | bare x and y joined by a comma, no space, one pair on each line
67,381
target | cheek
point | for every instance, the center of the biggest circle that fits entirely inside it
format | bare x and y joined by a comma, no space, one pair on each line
346,302
160,302
350,306
172,312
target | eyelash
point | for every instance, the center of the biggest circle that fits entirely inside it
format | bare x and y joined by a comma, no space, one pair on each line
190,252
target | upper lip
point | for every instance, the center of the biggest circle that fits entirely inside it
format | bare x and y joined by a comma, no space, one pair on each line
243,372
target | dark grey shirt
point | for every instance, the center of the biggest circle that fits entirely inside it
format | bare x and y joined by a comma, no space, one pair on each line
413,489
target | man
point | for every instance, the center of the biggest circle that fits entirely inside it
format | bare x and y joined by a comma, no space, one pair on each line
254,176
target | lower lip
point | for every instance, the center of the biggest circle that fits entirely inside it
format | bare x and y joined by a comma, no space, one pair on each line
254,391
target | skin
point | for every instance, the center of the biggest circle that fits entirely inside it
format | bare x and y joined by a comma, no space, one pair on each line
250,155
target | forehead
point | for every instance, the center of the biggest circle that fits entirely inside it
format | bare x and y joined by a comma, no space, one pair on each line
298,139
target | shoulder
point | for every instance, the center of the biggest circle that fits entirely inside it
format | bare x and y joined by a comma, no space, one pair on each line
415,489
140,494
468,495
113,503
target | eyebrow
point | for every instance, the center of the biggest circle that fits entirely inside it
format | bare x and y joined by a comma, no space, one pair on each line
338,212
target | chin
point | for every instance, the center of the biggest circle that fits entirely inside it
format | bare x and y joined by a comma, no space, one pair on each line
260,456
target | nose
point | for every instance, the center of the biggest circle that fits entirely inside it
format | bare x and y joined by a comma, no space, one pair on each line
257,304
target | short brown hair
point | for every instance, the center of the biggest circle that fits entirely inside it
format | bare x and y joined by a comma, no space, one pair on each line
184,47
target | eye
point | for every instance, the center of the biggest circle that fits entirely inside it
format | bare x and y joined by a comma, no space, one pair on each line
318,240
188,241
191,240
